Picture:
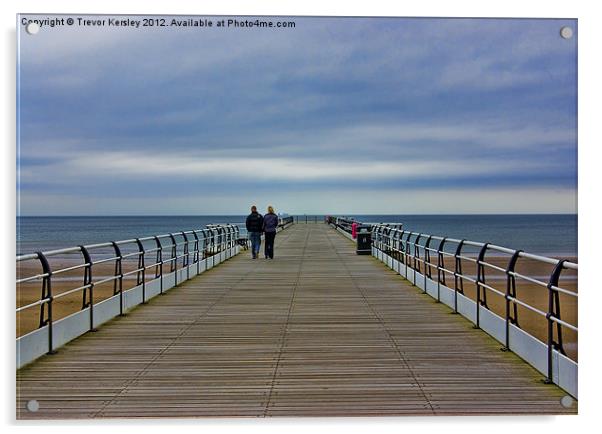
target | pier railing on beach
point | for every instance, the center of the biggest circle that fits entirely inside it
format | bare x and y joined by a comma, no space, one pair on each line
440,266
99,275
525,301
169,258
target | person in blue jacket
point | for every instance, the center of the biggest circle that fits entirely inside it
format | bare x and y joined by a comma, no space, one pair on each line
254,228
270,224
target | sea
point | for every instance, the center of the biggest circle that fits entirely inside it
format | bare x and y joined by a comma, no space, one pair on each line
543,234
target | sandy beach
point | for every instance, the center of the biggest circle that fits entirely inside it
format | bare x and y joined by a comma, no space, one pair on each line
530,293
30,292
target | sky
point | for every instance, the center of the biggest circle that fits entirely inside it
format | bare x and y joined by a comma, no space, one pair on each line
335,115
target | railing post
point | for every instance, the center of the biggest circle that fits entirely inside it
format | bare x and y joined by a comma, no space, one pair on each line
46,294
375,230
216,245
141,275
226,241
402,249
186,257
226,229
212,244
385,243
553,311
440,265
395,245
205,248
196,254
398,236
427,257
374,238
88,282
174,258
480,279
406,253
416,256
510,292
234,242
119,273
458,282
380,235
236,237
220,241
427,262
158,266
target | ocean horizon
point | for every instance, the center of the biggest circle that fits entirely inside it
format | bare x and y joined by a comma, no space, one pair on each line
545,234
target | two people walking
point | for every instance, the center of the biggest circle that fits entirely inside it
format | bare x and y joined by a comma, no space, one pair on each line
258,224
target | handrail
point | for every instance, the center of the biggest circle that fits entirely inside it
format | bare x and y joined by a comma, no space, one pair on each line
182,250
385,239
185,254
306,218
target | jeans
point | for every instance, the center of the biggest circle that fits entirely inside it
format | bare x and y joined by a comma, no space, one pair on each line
269,244
255,238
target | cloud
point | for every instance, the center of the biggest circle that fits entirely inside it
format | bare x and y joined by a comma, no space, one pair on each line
124,164
373,103
474,200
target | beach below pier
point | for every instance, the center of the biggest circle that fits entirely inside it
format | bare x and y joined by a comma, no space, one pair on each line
530,293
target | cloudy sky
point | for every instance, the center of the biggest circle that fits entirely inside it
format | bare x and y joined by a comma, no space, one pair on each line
335,115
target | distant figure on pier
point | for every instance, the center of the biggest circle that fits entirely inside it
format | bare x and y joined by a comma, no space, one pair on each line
254,228
270,223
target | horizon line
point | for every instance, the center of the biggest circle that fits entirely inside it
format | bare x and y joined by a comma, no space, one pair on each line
296,214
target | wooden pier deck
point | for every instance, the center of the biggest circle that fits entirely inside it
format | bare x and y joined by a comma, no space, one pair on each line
318,331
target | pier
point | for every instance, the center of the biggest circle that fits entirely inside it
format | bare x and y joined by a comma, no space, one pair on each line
318,331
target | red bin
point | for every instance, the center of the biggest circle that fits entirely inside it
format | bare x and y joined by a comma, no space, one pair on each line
354,230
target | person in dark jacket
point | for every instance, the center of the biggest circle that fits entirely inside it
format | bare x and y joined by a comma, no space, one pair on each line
270,223
254,228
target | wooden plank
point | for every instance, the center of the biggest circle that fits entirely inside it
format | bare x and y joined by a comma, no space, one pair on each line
318,331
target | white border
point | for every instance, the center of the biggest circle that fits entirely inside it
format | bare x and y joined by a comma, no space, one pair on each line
590,70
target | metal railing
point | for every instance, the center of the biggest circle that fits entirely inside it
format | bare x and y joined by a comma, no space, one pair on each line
346,223
308,218
343,223
427,254
283,222
168,253
467,271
